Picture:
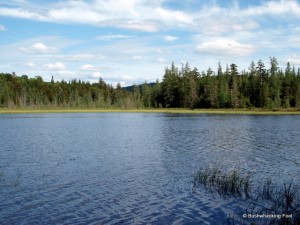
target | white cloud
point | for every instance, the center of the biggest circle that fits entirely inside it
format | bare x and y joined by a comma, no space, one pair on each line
288,7
170,38
173,16
78,57
112,78
225,47
18,2
130,14
96,75
88,67
66,72
137,57
150,16
159,50
294,39
22,13
30,65
225,24
294,60
146,25
65,75
221,31
214,20
54,66
38,48
162,60
249,25
113,37
2,28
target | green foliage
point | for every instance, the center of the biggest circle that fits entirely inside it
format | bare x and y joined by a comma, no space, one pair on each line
180,88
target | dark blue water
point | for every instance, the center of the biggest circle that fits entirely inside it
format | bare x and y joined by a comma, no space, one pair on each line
134,168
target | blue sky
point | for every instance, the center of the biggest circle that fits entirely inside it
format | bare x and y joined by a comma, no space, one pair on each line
132,41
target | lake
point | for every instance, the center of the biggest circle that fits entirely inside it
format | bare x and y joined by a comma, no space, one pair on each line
134,168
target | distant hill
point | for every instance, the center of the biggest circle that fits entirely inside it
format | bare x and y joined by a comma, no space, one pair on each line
131,88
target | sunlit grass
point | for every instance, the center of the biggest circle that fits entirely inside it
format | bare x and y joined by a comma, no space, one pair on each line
161,110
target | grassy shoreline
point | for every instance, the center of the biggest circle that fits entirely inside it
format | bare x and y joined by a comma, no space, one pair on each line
174,111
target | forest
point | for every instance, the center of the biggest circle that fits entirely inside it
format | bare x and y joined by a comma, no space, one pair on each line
183,87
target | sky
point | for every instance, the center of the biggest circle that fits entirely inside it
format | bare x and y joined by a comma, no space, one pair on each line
133,41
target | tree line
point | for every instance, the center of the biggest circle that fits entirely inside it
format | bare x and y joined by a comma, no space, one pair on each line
183,87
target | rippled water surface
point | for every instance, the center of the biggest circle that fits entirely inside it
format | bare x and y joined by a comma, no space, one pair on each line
133,168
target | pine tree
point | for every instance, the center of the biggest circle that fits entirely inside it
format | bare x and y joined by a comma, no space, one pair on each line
234,89
274,84
263,88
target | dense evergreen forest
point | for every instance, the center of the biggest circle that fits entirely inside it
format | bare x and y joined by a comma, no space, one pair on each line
183,87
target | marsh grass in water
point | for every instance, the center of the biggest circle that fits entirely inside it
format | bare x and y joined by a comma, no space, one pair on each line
231,183
266,199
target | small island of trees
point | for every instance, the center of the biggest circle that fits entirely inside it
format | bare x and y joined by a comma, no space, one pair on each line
183,87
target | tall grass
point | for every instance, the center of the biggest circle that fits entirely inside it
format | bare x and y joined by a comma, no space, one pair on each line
225,184
266,198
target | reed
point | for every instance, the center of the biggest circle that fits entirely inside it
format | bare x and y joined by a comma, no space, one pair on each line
231,183
268,198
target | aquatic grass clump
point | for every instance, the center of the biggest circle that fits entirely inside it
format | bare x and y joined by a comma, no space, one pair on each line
281,200
287,202
265,199
224,183
267,189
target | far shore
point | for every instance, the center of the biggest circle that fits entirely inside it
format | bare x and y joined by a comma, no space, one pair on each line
257,111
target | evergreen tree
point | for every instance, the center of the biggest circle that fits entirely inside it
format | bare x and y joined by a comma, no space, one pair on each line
186,88
192,90
263,87
234,88
274,84
171,87
146,95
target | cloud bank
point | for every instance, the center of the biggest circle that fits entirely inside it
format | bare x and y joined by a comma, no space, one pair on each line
134,39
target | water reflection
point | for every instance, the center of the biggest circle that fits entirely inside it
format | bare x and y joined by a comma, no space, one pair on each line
133,168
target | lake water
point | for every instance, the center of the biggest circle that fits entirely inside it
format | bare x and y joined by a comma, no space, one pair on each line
134,168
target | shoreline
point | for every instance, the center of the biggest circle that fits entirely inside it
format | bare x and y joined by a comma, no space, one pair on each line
173,111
